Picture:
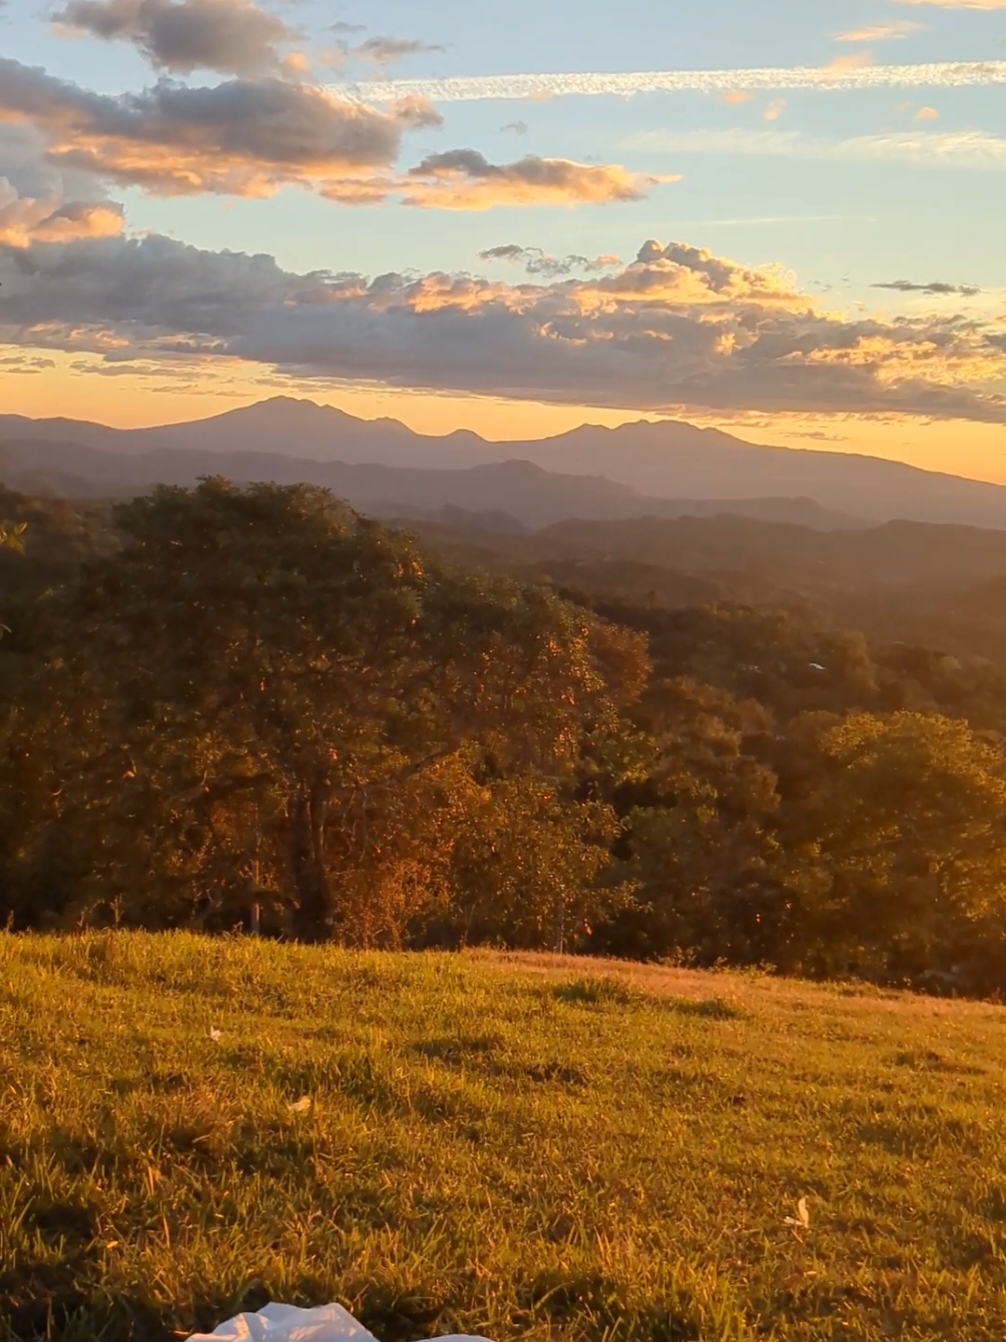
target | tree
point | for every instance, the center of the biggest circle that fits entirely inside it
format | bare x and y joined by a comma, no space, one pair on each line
910,827
261,696
699,821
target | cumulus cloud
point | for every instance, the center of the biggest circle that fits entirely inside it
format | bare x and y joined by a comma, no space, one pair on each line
537,262
251,137
464,179
240,137
937,288
25,220
678,327
234,37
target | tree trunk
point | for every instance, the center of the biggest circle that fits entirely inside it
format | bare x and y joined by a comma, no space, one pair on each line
312,919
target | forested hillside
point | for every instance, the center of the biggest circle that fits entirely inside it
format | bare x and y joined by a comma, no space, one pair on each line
225,708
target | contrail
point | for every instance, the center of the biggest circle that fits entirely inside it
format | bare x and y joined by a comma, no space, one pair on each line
476,89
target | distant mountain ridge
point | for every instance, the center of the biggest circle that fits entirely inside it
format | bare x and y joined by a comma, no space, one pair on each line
518,494
665,464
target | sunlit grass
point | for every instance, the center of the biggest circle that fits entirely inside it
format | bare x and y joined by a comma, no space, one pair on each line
517,1146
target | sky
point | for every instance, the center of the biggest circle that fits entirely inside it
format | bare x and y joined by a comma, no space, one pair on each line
779,217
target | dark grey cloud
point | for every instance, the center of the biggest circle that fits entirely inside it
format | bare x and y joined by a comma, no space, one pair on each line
235,37
517,127
677,327
936,288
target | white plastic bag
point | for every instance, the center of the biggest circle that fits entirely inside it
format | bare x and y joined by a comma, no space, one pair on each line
287,1323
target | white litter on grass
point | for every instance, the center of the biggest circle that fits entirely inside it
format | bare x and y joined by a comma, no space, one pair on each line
215,1034
301,1106
802,1217
287,1323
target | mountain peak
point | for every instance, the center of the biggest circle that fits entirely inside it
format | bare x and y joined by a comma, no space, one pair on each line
289,406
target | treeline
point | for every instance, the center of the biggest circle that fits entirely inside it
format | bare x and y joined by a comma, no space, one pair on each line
225,707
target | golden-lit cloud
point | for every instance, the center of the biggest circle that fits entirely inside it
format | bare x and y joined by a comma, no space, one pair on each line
25,220
677,327
465,180
927,114
775,109
239,137
250,138
856,60
881,32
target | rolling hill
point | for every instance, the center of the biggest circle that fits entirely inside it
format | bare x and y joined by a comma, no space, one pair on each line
504,1145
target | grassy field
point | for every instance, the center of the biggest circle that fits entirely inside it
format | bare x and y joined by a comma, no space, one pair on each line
517,1146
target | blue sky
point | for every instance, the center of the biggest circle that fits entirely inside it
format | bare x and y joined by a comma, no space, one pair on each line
845,189
834,220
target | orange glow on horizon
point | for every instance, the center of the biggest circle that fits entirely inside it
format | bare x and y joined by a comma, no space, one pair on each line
76,387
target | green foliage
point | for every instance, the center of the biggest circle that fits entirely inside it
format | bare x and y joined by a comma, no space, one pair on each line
231,707
260,698
556,1153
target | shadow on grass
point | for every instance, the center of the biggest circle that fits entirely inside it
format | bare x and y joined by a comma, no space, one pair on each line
595,992
708,1008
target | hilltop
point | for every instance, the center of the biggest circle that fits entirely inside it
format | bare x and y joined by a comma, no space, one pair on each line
516,1146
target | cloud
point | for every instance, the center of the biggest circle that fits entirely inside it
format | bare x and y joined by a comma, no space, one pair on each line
518,127
953,149
252,137
240,137
944,74
856,60
881,32
936,287
774,110
958,4
927,114
234,37
25,220
464,179
537,262
677,328
385,51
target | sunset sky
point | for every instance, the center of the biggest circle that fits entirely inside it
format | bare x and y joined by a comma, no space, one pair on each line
784,218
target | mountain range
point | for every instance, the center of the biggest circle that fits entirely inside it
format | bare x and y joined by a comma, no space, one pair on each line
663,469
